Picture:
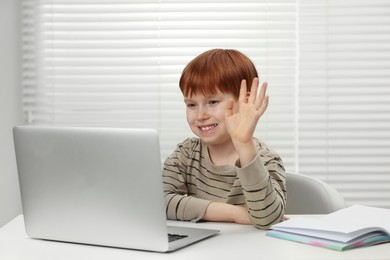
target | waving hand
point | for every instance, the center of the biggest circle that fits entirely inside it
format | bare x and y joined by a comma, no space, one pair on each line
242,120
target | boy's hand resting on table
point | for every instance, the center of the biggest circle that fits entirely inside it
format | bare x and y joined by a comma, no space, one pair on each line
217,211
223,212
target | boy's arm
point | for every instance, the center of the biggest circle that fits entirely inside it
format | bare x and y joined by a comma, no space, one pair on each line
242,118
265,194
182,207
264,186
218,211
179,205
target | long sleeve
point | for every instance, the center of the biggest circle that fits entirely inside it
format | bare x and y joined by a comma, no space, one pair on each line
179,205
192,182
264,188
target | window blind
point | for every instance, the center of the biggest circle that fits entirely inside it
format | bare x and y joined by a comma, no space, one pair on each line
118,63
344,97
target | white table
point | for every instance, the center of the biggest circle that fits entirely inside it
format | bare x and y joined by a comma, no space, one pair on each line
234,242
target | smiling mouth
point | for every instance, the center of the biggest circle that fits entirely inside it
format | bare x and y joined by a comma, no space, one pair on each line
208,127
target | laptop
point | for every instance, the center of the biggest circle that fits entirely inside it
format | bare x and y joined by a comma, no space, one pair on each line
97,186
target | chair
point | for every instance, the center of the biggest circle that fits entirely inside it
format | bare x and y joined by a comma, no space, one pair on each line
307,195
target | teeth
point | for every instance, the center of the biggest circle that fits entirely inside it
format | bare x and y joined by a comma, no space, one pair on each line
207,128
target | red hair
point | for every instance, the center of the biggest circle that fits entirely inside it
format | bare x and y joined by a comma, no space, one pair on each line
217,69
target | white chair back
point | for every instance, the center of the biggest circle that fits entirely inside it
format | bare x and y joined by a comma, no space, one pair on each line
307,195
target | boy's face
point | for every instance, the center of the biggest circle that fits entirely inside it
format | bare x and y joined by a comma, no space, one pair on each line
206,117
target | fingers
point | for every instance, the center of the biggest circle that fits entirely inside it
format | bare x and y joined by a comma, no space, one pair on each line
253,97
259,100
284,218
253,94
261,97
243,92
264,105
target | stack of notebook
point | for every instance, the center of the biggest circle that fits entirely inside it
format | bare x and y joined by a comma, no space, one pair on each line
348,228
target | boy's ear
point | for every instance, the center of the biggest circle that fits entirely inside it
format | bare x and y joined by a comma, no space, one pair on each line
231,107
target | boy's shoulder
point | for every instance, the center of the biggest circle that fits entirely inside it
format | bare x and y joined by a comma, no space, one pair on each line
265,149
194,145
260,144
190,144
191,141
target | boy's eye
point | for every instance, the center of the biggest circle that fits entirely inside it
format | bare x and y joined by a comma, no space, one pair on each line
213,102
190,105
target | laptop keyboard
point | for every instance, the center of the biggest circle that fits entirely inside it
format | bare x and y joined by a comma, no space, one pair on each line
174,237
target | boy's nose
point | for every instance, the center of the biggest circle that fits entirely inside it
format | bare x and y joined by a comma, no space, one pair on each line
202,113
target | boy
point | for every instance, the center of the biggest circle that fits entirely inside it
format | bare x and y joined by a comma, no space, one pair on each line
225,174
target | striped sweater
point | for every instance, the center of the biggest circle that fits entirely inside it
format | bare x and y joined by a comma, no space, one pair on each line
192,182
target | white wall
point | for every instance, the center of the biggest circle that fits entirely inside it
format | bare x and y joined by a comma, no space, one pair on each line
10,108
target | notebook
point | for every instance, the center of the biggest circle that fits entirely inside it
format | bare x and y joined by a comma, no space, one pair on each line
97,186
348,228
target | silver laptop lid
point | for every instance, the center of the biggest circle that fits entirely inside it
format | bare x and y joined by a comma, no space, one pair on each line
92,185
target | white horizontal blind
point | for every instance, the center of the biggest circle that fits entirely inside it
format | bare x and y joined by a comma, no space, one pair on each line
344,96
117,63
